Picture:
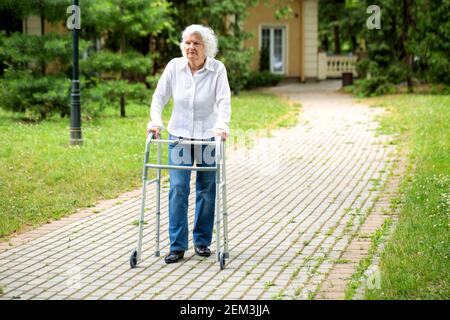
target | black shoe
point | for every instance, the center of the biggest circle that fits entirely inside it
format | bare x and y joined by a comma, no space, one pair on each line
174,256
202,251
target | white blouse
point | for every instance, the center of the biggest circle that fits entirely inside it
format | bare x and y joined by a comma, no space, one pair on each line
201,102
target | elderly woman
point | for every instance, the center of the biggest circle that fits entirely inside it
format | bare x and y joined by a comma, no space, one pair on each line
199,87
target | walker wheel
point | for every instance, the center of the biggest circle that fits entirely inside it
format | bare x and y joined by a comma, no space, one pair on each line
222,261
133,259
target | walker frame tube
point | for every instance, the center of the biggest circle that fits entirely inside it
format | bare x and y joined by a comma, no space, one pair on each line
219,169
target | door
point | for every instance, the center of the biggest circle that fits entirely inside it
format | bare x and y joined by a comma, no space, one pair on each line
273,42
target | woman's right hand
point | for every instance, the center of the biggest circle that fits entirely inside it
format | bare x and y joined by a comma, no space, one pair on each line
154,130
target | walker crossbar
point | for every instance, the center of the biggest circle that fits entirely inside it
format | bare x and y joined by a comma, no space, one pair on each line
197,142
157,166
219,168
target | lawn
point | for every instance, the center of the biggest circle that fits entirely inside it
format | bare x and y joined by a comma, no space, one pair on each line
42,178
415,263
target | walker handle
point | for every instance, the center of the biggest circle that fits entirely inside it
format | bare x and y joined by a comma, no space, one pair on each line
218,149
149,139
177,141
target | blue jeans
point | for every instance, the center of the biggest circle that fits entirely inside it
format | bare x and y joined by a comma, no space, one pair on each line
179,194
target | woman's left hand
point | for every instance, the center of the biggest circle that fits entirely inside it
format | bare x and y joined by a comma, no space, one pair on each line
222,133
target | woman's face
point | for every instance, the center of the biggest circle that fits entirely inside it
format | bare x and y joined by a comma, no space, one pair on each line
195,49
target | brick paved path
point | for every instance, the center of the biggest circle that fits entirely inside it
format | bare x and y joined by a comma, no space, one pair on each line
295,201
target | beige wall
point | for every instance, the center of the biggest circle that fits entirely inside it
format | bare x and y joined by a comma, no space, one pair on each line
59,27
310,49
32,26
263,15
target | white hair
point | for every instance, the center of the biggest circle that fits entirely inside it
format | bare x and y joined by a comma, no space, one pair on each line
208,37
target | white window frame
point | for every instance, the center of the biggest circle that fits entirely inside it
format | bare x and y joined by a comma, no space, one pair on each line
272,47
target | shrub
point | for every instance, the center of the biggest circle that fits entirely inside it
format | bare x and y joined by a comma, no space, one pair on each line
41,97
26,87
374,86
113,90
133,63
97,95
237,61
152,80
381,80
22,52
263,79
116,76
264,59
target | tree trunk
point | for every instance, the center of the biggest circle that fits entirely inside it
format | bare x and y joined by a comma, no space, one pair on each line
354,44
122,106
42,22
236,32
325,44
122,74
337,42
42,115
43,66
406,55
409,73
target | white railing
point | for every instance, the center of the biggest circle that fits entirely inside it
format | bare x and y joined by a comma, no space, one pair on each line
336,65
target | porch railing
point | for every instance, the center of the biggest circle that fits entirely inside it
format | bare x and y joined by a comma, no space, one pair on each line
333,66
336,65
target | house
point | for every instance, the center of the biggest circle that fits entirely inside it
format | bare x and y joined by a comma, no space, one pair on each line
292,43
32,25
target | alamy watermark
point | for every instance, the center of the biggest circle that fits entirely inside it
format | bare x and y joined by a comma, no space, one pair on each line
373,281
73,274
374,21
74,20
261,154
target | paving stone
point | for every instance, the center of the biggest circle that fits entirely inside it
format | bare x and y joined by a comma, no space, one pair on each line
316,170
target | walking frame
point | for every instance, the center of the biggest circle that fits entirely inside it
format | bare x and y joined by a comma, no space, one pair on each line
219,168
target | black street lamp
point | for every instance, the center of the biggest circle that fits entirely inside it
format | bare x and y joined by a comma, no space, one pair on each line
75,113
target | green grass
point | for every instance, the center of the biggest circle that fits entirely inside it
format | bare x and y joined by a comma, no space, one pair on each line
42,178
279,295
268,284
415,263
364,263
136,223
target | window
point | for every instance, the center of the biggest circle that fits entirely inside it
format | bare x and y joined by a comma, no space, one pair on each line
272,39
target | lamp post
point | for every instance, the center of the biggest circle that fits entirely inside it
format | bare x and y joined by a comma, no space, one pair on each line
75,114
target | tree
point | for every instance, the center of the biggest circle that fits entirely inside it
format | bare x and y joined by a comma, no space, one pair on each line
225,18
413,43
431,40
126,20
25,87
50,10
331,17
